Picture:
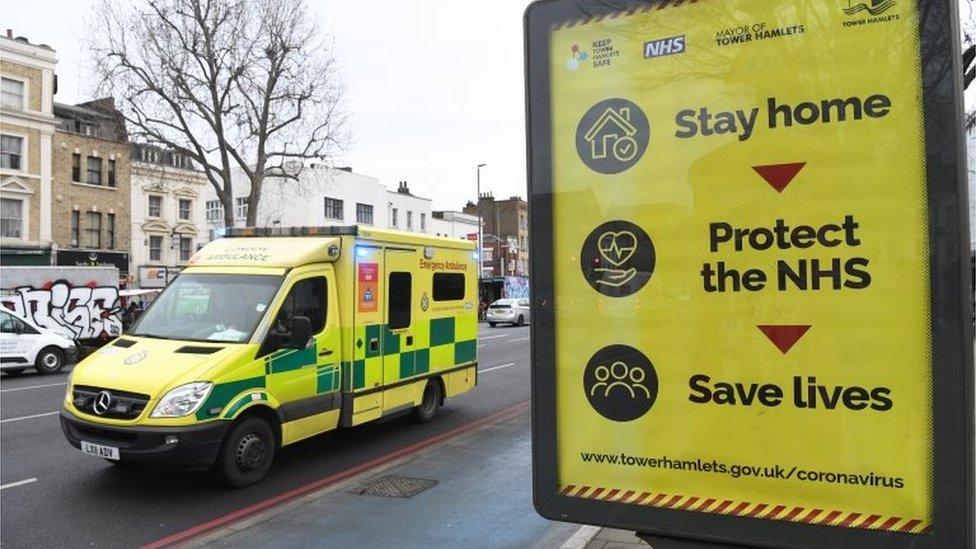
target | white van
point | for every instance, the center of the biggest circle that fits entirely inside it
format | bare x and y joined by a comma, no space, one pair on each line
24,345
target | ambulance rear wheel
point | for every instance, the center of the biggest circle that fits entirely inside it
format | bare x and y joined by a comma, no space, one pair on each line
247,453
431,402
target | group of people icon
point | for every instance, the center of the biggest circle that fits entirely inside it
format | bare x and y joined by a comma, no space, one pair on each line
620,376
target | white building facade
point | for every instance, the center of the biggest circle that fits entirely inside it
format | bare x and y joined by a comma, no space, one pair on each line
325,196
408,212
455,225
168,216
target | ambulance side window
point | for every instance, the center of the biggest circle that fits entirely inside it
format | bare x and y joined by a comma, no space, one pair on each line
306,298
398,312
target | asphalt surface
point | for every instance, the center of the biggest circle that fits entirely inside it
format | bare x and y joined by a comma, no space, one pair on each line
54,496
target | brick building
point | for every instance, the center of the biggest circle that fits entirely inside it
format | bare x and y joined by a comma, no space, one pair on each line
27,124
91,186
505,232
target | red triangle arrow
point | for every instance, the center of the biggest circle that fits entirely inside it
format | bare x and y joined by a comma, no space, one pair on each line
784,336
779,175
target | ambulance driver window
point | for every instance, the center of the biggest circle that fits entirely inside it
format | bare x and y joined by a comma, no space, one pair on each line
448,286
306,298
399,301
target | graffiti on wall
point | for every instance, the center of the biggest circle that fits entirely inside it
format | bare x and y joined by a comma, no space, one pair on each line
516,287
78,312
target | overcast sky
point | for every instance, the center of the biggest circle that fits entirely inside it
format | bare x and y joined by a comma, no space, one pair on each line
434,88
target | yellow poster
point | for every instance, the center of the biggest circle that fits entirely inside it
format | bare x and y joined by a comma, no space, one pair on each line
741,328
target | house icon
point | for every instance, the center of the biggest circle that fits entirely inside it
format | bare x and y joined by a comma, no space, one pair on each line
612,133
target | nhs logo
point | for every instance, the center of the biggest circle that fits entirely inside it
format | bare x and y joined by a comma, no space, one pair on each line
664,46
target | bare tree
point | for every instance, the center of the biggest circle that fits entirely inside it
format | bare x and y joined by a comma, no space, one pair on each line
246,85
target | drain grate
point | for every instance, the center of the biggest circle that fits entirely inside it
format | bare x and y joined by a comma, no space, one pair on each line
393,486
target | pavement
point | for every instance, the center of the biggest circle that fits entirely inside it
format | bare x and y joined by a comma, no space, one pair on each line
478,496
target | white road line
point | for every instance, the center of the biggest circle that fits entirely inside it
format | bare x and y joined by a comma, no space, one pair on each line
494,336
486,370
28,417
33,387
18,483
519,339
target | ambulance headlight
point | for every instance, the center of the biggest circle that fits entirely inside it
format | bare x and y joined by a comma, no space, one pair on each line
182,400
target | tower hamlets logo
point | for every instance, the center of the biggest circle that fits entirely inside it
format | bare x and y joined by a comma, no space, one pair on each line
578,56
876,7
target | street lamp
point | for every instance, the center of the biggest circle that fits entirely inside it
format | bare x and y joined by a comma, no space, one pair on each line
480,246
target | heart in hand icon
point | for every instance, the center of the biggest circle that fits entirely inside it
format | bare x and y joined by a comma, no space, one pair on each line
617,247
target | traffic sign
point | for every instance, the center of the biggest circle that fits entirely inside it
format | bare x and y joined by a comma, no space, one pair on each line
753,305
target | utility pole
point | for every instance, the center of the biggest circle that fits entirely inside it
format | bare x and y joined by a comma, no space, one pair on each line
480,246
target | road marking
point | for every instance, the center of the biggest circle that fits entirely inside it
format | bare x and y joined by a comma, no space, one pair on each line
581,538
494,336
33,387
251,510
518,339
486,370
28,417
18,483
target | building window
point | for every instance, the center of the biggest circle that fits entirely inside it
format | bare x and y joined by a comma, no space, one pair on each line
11,218
523,222
423,222
94,170
393,219
111,173
75,230
11,152
215,210
186,248
184,209
12,93
364,214
93,233
241,207
155,248
409,221
76,168
110,230
448,286
333,208
155,206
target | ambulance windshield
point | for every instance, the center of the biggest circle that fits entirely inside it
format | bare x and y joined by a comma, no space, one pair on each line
209,307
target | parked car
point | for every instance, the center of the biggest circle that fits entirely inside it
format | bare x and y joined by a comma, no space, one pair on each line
24,345
508,311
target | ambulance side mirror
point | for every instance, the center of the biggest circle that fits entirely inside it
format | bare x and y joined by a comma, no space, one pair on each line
301,332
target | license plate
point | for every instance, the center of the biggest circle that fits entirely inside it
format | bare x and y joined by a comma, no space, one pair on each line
97,450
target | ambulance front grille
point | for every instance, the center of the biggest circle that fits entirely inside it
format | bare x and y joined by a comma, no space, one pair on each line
123,404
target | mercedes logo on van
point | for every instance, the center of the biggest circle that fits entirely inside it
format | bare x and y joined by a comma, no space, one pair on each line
102,402
134,358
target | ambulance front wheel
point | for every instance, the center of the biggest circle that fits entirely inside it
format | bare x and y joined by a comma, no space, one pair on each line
247,452
433,397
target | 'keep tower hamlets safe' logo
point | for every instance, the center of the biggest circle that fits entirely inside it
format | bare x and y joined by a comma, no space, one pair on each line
612,136
578,57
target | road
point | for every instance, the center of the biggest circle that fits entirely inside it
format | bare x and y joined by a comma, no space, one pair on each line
54,496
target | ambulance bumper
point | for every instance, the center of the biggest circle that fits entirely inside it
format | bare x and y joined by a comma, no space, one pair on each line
193,446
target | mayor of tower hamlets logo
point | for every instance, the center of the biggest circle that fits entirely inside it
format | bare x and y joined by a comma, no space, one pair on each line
612,136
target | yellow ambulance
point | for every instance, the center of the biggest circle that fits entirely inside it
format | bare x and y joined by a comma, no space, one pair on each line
271,336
